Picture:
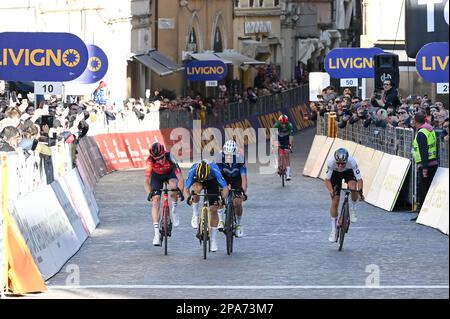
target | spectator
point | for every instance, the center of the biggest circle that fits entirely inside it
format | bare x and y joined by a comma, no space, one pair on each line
252,97
9,139
444,135
99,95
425,155
390,95
330,94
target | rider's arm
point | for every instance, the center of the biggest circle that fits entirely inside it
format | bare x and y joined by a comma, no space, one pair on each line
274,137
178,172
329,187
190,180
357,173
360,184
329,173
291,133
244,183
148,175
243,172
218,175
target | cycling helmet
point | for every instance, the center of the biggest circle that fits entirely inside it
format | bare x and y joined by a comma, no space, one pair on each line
341,155
202,171
157,151
283,119
229,148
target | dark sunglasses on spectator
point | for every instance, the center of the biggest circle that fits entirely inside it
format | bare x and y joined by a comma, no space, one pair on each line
386,84
402,112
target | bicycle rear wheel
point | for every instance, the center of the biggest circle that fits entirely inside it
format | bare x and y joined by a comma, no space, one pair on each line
205,233
229,227
344,223
165,227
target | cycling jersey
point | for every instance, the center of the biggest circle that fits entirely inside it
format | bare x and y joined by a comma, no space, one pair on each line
237,168
169,165
284,133
214,174
288,130
350,165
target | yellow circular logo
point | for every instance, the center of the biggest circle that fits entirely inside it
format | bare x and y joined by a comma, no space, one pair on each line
94,64
71,58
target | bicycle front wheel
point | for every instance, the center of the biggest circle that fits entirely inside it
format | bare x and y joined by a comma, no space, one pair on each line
166,228
229,227
344,223
205,229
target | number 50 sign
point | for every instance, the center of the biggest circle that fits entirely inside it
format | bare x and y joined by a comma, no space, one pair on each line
43,88
349,82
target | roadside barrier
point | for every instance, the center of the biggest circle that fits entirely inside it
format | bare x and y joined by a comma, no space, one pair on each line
48,210
385,160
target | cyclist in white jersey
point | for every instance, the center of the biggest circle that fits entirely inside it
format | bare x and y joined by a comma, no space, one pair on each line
340,167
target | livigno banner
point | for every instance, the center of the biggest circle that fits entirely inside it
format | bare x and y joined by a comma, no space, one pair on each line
351,63
432,62
96,67
41,56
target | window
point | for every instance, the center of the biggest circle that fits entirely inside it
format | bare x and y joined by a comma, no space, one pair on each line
218,46
261,3
236,3
251,3
192,45
276,3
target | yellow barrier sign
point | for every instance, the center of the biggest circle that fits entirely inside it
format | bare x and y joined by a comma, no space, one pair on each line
316,147
435,209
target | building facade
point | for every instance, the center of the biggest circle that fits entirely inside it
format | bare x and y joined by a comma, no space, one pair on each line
257,29
312,28
119,28
186,27
389,35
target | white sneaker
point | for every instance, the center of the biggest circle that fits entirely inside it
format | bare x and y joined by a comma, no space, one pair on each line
214,247
194,221
288,174
175,219
333,235
221,225
239,231
157,239
353,217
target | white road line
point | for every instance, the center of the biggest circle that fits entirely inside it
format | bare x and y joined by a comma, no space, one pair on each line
242,287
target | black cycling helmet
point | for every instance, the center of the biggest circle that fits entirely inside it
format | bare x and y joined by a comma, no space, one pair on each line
341,155
157,151
202,171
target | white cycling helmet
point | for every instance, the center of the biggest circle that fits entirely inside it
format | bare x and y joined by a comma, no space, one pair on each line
229,147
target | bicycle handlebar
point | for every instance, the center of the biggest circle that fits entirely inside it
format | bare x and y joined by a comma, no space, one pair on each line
153,192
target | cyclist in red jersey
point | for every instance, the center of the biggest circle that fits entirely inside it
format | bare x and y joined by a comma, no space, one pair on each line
161,167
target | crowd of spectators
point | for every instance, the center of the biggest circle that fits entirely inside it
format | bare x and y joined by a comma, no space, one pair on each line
38,128
384,109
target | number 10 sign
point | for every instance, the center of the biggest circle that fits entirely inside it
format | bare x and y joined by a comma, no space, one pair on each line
42,88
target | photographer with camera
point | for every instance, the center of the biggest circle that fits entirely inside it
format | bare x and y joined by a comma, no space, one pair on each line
389,95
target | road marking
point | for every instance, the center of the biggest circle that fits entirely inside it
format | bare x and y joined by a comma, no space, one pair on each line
242,287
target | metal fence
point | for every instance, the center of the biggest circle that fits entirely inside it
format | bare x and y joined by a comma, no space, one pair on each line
443,154
236,111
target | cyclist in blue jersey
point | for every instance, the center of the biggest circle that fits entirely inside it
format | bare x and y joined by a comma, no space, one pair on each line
233,169
206,175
